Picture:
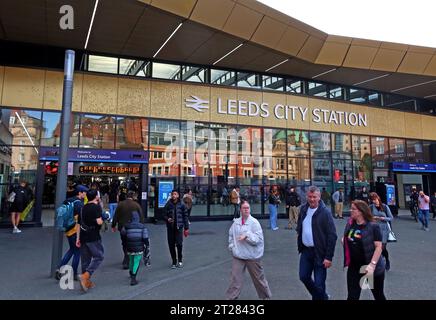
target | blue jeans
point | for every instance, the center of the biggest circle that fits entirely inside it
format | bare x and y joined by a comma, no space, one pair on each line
272,215
74,252
92,254
112,207
424,215
308,265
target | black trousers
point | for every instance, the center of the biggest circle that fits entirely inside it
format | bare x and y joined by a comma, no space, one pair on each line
385,252
354,289
175,239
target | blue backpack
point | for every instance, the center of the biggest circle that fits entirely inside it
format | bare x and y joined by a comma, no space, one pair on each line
65,216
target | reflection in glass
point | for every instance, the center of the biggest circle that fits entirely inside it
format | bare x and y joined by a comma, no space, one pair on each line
166,71
415,151
298,143
131,133
222,77
341,146
51,129
194,74
248,80
320,144
21,127
336,92
97,131
357,95
138,68
294,86
397,149
274,142
361,147
272,83
317,89
102,64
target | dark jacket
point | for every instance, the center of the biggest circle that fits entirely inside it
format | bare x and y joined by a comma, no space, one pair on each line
123,213
177,211
368,246
364,196
274,199
323,229
292,199
136,234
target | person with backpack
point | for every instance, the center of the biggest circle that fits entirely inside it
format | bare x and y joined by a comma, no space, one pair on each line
89,240
122,216
19,198
66,219
137,244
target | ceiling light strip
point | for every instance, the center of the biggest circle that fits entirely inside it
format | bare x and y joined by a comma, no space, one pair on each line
278,64
169,38
27,132
372,79
414,85
321,74
430,96
230,52
92,22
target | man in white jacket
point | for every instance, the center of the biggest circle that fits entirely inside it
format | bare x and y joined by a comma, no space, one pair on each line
246,245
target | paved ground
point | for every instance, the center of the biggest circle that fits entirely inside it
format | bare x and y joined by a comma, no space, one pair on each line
25,265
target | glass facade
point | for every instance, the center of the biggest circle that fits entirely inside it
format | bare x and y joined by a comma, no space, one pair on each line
210,159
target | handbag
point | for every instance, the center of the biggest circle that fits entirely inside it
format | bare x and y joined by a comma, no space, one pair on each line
391,235
11,198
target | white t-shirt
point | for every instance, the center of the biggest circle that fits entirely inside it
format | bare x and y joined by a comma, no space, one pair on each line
307,236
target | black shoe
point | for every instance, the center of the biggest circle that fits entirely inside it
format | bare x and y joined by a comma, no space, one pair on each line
58,275
388,265
76,277
133,281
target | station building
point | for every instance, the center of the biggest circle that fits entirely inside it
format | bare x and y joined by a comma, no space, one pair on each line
206,95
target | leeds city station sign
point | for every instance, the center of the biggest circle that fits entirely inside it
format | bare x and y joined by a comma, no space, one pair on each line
280,111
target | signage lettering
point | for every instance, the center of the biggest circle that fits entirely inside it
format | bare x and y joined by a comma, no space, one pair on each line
285,112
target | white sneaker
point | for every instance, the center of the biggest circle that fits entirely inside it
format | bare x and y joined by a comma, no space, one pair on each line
18,231
14,230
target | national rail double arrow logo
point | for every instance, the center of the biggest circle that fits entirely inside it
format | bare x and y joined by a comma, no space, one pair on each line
197,104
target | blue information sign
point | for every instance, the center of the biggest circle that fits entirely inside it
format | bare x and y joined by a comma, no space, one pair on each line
390,194
165,188
413,167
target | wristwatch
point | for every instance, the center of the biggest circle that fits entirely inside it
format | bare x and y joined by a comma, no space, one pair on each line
373,262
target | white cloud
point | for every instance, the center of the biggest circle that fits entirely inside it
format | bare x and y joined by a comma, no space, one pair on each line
402,21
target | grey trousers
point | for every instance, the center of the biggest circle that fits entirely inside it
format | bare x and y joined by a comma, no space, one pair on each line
92,255
255,268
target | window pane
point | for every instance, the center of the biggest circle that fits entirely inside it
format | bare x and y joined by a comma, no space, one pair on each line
194,74
317,89
97,131
102,64
298,171
380,156
357,95
322,173
361,147
138,68
131,133
399,102
397,149
320,144
374,98
20,127
341,146
51,129
336,92
274,142
294,86
429,148
275,170
415,151
248,80
220,202
166,71
298,143
223,77
272,83
362,173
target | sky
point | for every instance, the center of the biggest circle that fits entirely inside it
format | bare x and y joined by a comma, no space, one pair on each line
402,21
